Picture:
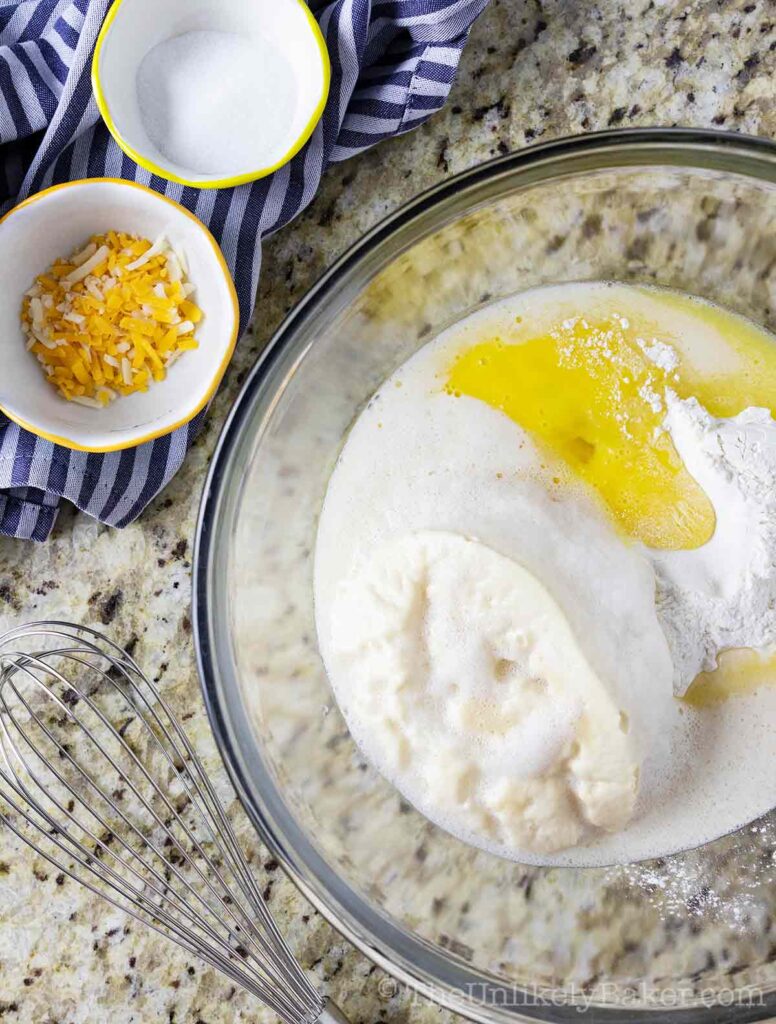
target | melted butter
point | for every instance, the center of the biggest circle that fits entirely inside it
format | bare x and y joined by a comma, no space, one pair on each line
726,393
589,395
582,390
738,672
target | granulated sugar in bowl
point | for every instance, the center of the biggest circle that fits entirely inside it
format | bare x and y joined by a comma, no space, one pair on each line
211,93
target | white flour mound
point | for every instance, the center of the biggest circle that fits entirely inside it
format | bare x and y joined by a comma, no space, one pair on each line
463,673
723,594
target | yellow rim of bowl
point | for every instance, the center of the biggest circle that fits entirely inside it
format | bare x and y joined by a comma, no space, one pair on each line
240,179
220,370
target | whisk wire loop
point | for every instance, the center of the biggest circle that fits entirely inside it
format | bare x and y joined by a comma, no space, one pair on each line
102,781
99,843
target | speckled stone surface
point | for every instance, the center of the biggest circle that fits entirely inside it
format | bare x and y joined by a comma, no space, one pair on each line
533,70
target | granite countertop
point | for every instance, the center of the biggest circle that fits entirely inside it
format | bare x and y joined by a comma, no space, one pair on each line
533,70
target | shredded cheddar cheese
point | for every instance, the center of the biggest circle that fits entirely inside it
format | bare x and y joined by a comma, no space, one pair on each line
112,318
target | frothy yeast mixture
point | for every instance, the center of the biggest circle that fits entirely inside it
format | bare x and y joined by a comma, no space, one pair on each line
539,538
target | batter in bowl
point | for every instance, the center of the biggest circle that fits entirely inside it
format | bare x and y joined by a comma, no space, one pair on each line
540,535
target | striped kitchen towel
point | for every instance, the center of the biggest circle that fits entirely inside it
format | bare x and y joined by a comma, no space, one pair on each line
393,63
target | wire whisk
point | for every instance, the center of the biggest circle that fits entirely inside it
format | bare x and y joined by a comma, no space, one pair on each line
102,782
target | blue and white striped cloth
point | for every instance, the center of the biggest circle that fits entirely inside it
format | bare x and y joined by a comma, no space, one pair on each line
393,63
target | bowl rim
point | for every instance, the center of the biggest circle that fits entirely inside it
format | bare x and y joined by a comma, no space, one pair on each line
207,394
407,958
230,180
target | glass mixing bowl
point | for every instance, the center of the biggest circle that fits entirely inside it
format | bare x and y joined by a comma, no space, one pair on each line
676,939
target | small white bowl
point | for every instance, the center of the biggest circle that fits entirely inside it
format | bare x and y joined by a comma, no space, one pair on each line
53,224
282,29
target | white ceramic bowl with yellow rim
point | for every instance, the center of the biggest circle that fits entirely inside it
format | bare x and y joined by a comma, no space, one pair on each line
286,41
57,222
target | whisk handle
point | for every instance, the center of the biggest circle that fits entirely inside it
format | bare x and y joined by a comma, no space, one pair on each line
331,1014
